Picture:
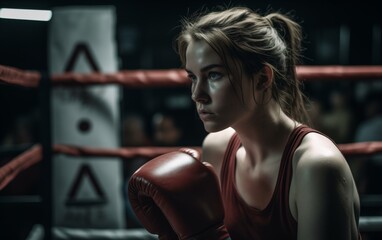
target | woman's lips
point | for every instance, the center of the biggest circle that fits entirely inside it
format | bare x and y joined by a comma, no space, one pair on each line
205,115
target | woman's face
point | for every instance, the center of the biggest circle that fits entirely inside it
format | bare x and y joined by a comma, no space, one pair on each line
218,105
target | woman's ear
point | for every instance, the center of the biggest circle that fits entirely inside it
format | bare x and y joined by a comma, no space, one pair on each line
265,78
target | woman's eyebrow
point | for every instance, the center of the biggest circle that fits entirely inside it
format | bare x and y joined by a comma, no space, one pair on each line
206,68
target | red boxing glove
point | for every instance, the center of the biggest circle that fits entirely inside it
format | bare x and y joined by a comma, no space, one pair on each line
177,197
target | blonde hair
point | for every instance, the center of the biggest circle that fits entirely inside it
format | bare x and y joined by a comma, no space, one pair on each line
246,41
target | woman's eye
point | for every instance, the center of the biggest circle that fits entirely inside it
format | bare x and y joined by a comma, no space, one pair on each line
191,77
214,75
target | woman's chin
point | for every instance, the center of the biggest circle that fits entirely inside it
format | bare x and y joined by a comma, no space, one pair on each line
210,127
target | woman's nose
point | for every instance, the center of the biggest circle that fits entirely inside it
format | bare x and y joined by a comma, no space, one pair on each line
199,94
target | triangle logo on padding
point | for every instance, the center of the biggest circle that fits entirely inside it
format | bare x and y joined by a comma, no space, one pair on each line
81,48
86,178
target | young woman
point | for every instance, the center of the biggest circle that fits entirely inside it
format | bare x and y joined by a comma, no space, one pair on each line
279,178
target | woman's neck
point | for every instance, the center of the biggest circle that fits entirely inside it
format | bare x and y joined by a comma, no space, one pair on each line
265,133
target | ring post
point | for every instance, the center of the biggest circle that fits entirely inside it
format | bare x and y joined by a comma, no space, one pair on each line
46,143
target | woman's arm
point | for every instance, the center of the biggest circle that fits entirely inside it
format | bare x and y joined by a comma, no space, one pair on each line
325,196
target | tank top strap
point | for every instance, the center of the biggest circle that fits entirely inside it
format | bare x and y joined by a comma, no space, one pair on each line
233,144
296,137
230,152
286,172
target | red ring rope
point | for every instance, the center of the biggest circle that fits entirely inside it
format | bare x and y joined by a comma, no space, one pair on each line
34,155
172,77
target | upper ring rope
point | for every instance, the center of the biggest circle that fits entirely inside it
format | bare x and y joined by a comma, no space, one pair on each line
172,77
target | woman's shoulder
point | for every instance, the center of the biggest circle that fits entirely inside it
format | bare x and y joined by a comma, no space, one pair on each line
218,140
324,188
317,151
214,147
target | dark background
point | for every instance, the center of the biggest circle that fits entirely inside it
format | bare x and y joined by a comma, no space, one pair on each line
145,30
336,33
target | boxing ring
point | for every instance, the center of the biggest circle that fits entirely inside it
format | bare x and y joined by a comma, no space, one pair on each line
41,153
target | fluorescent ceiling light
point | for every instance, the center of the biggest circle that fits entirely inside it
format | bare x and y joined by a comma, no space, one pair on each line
26,14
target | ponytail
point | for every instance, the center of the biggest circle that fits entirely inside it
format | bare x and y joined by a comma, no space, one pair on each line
291,34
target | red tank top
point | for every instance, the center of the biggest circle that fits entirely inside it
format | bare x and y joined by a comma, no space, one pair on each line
275,221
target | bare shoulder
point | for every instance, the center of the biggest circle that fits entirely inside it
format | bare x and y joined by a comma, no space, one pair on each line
218,140
317,150
320,164
214,146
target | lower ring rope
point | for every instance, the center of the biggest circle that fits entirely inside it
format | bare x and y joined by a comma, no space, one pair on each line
34,155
